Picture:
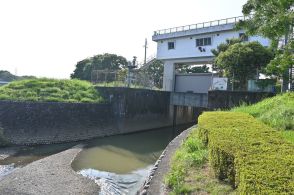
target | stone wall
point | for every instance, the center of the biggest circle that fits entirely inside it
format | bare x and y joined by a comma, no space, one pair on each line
126,111
51,122
146,109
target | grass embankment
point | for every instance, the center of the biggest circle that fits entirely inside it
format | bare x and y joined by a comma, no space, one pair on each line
50,90
277,112
243,152
190,171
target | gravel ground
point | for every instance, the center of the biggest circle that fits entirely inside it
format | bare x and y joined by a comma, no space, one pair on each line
50,175
156,186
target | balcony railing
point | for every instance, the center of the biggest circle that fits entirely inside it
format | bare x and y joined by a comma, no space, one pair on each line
233,20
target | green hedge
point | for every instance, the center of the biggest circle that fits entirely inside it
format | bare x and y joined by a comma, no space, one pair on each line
250,155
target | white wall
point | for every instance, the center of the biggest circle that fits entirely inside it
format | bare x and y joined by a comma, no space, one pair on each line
185,47
168,76
196,83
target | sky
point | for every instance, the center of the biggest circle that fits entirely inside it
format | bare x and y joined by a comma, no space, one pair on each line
46,38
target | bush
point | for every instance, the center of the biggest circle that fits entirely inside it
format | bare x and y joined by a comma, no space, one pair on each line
249,154
50,90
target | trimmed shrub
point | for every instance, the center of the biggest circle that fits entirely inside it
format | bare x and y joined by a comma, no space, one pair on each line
250,155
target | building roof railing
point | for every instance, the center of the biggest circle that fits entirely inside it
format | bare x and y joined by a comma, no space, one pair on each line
232,20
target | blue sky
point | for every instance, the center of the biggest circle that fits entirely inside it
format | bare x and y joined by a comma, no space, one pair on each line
46,38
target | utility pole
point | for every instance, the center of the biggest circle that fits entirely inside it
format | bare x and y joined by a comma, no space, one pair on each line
145,47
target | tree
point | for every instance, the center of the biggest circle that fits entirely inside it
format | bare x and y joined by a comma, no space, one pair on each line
222,48
193,69
243,61
198,69
155,72
7,76
270,18
106,61
273,19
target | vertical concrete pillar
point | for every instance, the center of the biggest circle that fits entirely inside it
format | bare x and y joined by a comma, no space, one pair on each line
168,76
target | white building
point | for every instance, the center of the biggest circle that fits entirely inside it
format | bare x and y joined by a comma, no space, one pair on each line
192,44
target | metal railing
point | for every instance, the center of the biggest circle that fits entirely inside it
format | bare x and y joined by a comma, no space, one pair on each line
233,20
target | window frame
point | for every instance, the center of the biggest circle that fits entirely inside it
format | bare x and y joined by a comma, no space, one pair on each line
205,41
171,42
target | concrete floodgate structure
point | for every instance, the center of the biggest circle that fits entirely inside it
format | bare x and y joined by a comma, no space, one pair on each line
192,45
126,111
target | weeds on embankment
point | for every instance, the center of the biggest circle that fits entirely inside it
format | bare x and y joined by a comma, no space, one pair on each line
190,171
50,90
277,111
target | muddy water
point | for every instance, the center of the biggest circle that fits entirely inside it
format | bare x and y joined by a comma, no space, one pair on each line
120,164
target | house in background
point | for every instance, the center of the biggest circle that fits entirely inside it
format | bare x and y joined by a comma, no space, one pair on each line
192,44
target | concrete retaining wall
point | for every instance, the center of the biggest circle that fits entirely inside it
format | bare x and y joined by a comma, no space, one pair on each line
127,110
49,122
229,99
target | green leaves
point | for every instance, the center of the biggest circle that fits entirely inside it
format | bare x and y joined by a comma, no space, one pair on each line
192,153
242,60
106,61
50,90
273,19
251,155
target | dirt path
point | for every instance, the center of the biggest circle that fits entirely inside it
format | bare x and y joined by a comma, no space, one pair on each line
50,175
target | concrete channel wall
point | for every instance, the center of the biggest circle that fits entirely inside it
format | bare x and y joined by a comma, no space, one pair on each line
228,99
126,111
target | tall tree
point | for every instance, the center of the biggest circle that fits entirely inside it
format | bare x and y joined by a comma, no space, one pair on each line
106,61
270,18
155,72
243,61
273,19
222,48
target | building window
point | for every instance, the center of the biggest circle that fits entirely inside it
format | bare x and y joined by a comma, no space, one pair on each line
203,42
171,45
243,37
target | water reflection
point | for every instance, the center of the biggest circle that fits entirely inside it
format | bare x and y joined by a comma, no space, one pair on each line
120,164
124,153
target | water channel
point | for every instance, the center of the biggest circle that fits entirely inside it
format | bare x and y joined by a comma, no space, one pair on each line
118,164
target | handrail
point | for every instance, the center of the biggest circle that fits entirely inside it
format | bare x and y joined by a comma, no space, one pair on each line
232,20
